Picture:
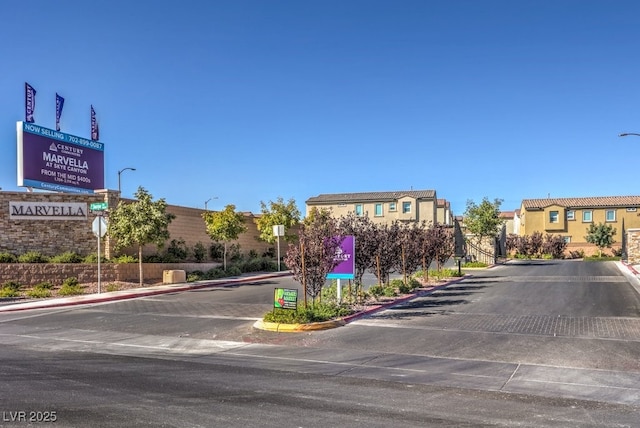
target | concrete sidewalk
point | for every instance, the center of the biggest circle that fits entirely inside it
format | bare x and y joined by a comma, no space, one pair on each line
86,299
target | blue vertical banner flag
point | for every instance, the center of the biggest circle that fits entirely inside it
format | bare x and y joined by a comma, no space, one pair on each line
29,103
59,106
95,129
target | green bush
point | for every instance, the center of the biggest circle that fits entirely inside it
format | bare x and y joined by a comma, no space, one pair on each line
196,275
40,291
376,290
33,257
70,287
124,258
153,258
313,313
199,252
67,257
8,258
10,289
216,251
112,287
178,250
232,271
93,258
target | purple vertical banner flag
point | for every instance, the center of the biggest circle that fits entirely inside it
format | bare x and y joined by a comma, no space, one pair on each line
95,130
346,258
59,106
29,103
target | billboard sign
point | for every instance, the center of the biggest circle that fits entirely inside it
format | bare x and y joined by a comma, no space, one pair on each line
53,160
346,258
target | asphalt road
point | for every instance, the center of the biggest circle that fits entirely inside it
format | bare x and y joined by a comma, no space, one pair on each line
526,344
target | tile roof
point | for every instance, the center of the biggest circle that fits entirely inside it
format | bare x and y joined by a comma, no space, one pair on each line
589,202
370,196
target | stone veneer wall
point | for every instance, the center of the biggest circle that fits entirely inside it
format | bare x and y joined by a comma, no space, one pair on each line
49,237
633,246
53,237
29,274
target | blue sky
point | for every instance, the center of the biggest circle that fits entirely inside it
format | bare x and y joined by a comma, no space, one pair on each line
247,101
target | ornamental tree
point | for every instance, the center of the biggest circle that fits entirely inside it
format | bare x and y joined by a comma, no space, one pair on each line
313,256
139,223
387,251
276,213
225,226
601,235
483,221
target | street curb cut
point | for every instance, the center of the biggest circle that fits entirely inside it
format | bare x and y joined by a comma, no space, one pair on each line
134,293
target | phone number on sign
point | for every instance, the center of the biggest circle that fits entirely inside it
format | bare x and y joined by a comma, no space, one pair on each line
29,416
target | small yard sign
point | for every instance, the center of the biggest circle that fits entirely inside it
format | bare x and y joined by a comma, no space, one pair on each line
285,298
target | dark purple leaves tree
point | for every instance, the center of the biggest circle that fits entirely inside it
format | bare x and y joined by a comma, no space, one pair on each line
313,257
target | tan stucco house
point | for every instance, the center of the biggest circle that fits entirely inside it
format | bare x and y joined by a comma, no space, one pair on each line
570,217
381,207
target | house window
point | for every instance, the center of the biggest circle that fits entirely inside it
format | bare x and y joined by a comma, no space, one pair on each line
571,215
358,209
566,239
587,216
610,215
392,206
378,210
553,217
406,207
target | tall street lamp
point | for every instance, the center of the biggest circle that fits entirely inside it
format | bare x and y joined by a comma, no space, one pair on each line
207,201
625,134
120,172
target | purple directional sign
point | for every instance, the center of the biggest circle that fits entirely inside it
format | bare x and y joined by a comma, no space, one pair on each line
346,256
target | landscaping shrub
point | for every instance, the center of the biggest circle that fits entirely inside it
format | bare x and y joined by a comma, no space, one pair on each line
10,289
177,250
196,275
112,287
33,257
313,313
199,252
124,258
93,258
70,287
8,258
40,291
67,257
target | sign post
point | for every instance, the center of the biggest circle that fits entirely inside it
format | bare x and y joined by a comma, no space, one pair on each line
99,227
278,230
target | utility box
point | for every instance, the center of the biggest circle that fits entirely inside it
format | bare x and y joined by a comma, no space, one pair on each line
174,276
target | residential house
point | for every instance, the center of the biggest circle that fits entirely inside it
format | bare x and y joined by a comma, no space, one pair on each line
508,217
381,207
571,217
444,214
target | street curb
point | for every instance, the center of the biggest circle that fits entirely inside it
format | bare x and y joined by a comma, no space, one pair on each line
133,293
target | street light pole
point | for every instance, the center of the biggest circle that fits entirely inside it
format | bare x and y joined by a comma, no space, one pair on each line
120,172
626,134
207,201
